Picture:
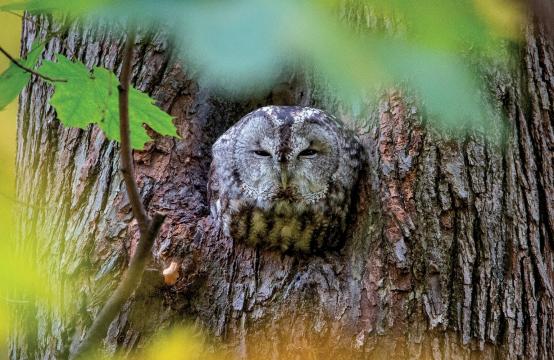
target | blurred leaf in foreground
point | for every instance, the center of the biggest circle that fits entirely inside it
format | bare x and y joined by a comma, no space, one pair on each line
92,98
241,47
14,79
235,45
503,17
77,7
180,343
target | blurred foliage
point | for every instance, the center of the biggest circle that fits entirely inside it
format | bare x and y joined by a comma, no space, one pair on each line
9,39
188,343
180,343
242,46
19,279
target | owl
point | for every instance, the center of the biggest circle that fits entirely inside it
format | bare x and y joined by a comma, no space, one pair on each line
284,177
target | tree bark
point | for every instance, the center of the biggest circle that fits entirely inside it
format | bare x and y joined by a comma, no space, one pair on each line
451,255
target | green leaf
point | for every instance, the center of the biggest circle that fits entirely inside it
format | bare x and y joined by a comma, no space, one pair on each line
92,98
14,79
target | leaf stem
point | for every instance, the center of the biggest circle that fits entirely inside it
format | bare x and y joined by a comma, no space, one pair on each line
149,227
29,70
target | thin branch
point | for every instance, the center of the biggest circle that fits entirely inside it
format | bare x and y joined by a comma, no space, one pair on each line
149,227
29,70
22,204
126,154
14,13
124,290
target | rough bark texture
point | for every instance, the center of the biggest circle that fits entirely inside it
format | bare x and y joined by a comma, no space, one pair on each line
452,254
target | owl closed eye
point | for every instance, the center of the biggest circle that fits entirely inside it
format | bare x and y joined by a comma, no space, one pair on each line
284,177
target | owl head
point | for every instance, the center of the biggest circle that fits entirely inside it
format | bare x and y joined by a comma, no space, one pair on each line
283,163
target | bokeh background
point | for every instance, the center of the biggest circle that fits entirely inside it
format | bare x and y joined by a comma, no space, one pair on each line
10,26
9,40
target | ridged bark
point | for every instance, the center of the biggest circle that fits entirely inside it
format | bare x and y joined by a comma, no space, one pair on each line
451,255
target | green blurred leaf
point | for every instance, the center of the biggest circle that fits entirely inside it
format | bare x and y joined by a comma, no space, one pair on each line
180,342
92,98
14,79
74,6
243,46
446,86
238,45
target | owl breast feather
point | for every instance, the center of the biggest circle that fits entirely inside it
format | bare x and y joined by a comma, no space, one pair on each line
285,226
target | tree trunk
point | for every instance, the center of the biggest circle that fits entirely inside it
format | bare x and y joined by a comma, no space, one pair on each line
451,255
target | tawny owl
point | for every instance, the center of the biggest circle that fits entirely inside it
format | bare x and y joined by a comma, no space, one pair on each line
285,177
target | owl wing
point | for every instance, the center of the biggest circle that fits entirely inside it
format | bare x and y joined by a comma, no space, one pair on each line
213,190
218,174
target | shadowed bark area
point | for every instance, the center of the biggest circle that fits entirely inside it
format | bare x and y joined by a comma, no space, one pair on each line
451,255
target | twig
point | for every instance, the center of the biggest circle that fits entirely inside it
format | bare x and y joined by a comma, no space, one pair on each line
23,204
149,227
126,154
29,70
14,13
123,291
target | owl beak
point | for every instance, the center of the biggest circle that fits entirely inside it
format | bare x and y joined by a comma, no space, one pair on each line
284,176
